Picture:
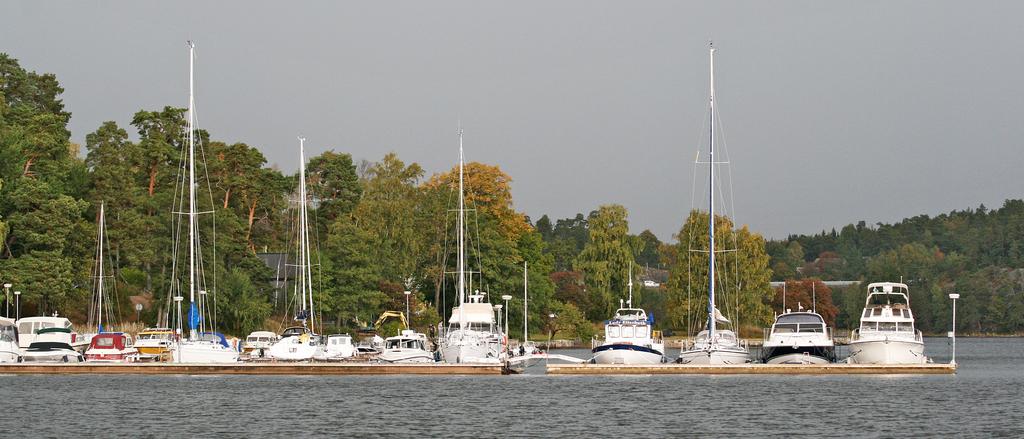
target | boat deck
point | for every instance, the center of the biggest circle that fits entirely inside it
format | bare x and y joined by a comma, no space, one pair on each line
751,369
279,368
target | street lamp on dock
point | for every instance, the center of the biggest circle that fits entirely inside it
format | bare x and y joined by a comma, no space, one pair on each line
7,299
17,305
952,334
407,315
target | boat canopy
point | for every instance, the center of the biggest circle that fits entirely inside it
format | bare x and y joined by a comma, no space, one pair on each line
474,313
109,340
800,317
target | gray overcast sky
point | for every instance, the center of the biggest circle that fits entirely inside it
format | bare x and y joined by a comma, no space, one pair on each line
834,112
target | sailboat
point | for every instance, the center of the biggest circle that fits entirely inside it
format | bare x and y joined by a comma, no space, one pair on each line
713,345
105,345
629,336
471,336
301,343
200,346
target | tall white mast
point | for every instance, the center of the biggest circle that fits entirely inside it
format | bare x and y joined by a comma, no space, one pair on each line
526,314
191,185
462,239
99,287
306,281
711,205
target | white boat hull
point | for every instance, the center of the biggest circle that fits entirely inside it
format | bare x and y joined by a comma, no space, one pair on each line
797,358
714,356
293,349
468,353
406,356
204,352
887,352
9,352
623,356
54,356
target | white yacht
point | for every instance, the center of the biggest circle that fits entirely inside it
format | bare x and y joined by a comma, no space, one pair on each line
629,337
10,352
28,330
336,347
800,337
887,334
193,348
408,347
713,345
472,336
52,345
302,345
296,344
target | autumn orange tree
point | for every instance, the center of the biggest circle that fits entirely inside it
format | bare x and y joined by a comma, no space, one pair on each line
808,294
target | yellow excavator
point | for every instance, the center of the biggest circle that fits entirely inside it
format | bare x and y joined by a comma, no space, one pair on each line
384,316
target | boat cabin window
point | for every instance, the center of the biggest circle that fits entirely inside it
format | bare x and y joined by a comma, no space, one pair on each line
887,299
886,326
627,332
613,331
811,328
104,342
867,312
877,312
7,333
867,326
785,328
904,327
641,332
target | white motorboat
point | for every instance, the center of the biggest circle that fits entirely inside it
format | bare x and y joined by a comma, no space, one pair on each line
257,343
29,327
111,347
713,345
471,336
336,347
800,337
10,352
887,334
371,346
408,347
52,345
193,348
629,337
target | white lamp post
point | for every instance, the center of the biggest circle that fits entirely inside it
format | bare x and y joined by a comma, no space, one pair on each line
498,309
408,317
7,299
506,298
952,334
17,305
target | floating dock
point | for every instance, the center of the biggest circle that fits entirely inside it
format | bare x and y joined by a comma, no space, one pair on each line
751,369
253,369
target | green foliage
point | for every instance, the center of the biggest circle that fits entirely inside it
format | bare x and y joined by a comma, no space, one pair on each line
332,179
742,289
242,305
605,260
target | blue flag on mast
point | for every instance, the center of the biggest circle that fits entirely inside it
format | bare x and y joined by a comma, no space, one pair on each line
193,317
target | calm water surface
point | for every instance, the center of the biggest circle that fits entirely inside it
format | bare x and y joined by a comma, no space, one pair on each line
984,399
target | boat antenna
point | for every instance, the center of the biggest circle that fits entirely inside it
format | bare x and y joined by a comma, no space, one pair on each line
630,301
814,296
784,297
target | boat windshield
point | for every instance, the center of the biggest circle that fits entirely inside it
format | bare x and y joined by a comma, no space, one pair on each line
404,343
887,299
154,336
